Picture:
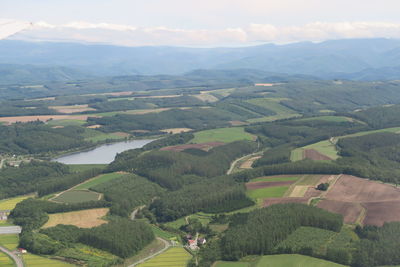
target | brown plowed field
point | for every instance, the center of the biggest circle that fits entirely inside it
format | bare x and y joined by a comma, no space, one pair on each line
315,155
350,211
202,146
350,194
283,200
258,185
352,189
380,212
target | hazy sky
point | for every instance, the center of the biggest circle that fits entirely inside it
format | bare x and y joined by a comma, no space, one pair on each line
202,22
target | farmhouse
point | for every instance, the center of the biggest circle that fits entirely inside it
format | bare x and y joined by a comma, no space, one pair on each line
3,215
192,244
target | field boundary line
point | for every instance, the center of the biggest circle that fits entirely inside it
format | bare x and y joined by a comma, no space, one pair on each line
167,246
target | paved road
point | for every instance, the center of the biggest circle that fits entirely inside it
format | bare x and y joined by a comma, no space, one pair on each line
167,246
18,261
10,230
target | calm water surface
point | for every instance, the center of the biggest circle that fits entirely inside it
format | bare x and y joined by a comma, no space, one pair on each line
103,154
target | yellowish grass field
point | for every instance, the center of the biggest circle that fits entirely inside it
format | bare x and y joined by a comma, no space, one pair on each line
10,203
37,261
173,257
5,261
84,218
9,241
71,109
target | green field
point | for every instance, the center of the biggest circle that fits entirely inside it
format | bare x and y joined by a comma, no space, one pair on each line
66,122
202,217
173,257
273,104
310,180
10,203
389,130
294,261
37,261
6,261
328,118
85,167
99,180
275,179
164,234
225,135
297,154
231,264
97,136
267,192
9,241
325,148
76,196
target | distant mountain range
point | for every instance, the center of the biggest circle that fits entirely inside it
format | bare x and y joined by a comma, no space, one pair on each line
356,59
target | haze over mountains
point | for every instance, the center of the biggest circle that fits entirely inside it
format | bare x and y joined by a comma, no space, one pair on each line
356,59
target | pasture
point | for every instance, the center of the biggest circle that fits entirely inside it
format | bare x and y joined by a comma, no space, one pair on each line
225,135
10,203
99,180
85,167
325,148
9,241
66,122
77,196
275,179
6,261
173,257
294,260
328,118
83,218
97,136
273,104
267,192
37,261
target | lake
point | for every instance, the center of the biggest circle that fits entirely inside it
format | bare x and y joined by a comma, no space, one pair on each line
103,154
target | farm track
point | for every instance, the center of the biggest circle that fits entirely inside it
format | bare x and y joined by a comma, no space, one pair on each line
167,246
236,161
17,260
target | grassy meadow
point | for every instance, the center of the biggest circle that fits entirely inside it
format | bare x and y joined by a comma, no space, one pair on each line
225,135
77,196
99,180
173,257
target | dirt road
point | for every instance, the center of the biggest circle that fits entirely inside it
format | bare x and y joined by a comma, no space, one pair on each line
18,261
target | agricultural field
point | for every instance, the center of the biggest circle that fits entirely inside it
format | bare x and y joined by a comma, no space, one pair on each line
294,260
97,136
9,204
77,196
328,118
85,167
273,104
173,257
37,261
267,192
368,202
71,109
9,241
231,264
324,150
176,130
6,261
164,234
202,217
83,218
67,122
225,135
99,180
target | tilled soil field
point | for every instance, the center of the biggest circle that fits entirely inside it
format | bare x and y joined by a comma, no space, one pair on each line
315,155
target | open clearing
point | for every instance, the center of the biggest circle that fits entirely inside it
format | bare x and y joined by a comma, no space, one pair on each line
202,146
77,196
72,109
286,260
10,203
99,180
248,163
267,192
173,257
9,241
273,104
294,260
83,218
350,195
225,135
37,261
259,185
328,118
206,97
44,118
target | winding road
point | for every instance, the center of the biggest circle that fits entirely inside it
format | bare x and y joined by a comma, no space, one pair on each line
18,261
167,246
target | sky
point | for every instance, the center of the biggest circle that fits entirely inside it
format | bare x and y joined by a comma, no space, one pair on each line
197,22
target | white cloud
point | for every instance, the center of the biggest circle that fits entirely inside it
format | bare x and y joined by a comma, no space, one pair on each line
127,35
